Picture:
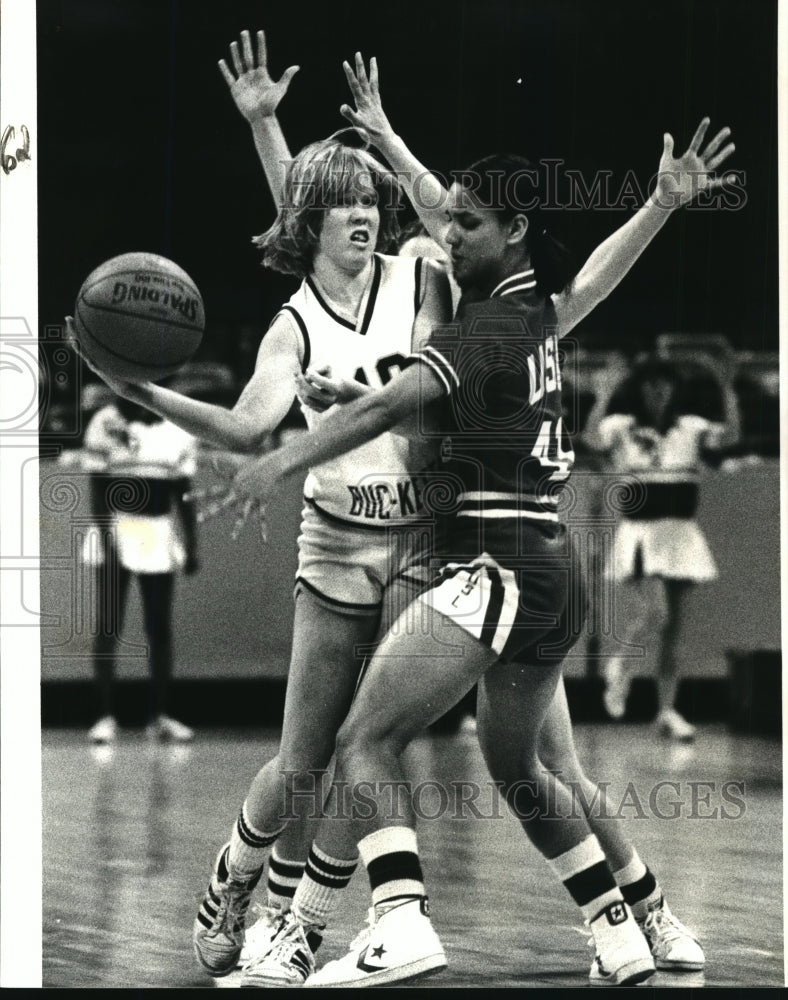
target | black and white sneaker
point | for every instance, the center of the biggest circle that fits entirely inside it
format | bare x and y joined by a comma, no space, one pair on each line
623,956
219,928
401,945
290,958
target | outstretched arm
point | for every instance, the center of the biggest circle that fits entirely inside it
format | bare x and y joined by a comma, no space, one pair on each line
257,97
678,182
424,190
251,483
260,409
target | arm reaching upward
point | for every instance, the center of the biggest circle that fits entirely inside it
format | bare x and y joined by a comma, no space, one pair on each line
257,97
679,182
425,192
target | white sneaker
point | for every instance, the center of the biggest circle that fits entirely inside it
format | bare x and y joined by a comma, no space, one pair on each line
617,681
362,938
289,959
675,726
672,945
260,933
402,945
218,934
623,957
165,728
104,731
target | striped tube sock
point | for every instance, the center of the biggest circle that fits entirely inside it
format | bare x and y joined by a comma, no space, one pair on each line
587,877
248,847
392,859
639,887
321,886
283,878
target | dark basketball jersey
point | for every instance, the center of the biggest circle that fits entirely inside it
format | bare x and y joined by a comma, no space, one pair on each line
508,572
506,452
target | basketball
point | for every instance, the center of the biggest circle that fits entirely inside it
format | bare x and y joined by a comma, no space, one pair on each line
139,317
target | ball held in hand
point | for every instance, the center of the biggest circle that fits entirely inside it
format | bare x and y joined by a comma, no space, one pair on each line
139,317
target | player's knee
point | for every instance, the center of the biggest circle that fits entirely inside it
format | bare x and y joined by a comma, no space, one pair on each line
361,737
551,753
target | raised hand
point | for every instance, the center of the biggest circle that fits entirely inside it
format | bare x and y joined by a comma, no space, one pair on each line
255,94
368,113
682,179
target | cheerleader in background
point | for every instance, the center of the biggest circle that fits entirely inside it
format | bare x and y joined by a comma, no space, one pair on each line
141,467
660,552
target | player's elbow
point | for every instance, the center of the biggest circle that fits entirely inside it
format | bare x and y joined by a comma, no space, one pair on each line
246,437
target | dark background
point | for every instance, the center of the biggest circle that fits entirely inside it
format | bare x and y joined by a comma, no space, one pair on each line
141,148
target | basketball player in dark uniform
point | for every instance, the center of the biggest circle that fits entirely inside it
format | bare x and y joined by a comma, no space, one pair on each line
503,602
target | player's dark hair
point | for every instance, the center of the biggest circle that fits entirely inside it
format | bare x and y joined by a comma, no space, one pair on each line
410,231
509,185
628,397
324,175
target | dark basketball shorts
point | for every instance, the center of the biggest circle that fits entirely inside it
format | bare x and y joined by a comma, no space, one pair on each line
528,608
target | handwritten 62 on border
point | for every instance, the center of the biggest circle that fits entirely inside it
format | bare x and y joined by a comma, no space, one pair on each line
9,160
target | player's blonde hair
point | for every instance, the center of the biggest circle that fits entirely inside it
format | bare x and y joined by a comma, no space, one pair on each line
324,175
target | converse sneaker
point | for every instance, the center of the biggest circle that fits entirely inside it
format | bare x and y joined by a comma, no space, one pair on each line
672,945
290,958
617,682
622,956
165,728
104,731
260,933
402,945
218,934
675,726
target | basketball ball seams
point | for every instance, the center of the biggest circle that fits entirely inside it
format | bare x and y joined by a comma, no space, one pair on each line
189,293
141,316
96,353
164,357
190,327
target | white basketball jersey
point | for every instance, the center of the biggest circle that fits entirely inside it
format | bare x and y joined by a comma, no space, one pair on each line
370,485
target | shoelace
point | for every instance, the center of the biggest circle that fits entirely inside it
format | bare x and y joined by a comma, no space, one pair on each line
285,944
261,925
364,934
666,925
232,908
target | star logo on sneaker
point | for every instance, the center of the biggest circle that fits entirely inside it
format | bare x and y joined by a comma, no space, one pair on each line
362,964
616,914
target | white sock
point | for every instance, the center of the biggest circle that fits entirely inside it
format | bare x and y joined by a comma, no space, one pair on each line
584,871
639,886
248,847
321,886
284,876
391,856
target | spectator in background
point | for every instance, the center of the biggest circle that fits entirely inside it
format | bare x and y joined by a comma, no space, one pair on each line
660,552
141,466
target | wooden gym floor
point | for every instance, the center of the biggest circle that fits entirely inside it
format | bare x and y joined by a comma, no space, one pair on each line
130,834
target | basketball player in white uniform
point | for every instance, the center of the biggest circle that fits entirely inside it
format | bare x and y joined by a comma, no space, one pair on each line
673,946
361,313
